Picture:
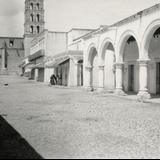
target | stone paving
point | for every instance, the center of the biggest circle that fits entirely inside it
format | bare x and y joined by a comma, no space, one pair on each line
72,123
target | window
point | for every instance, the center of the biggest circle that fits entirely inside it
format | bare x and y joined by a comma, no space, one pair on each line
38,29
38,6
11,43
38,18
31,6
31,17
31,29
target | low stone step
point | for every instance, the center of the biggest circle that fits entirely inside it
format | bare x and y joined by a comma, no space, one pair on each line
6,72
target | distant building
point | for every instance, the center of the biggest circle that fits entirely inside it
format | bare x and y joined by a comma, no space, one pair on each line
43,47
14,49
68,65
11,54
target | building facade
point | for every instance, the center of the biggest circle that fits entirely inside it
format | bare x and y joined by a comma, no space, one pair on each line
124,57
68,65
43,47
11,54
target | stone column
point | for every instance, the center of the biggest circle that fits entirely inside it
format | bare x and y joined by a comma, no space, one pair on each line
101,78
88,78
119,78
76,74
143,79
3,59
36,75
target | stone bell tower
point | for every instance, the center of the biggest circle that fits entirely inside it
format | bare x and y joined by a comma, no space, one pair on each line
34,21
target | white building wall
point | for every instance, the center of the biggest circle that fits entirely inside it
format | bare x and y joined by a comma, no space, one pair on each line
56,43
139,26
77,45
76,33
48,72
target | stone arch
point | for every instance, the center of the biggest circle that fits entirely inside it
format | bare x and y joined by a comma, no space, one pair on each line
122,42
150,51
92,64
129,54
105,44
107,61
148,33
90,53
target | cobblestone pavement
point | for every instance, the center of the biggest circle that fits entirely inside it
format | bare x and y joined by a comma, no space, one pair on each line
71,123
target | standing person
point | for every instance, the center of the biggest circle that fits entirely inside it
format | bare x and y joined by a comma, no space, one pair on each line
53,80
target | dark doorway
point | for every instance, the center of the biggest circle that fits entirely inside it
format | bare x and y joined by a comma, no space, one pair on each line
80,73
32,74
65,72
41,75
158,78
131,78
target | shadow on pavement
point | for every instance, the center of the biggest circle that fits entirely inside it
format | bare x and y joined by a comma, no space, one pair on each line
13,145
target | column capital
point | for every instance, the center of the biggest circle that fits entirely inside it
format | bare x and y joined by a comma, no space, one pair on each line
119,65
88,68
101,67
76,63
143,62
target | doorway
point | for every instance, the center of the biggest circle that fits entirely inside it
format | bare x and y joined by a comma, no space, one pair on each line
131,78
80,73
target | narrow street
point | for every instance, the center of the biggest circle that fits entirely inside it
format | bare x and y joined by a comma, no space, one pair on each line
72,123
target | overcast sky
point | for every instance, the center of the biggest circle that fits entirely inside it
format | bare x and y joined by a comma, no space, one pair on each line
62,15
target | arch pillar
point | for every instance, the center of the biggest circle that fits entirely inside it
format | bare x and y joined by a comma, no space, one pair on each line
76,73
143,80
3,59
87,80
119,78
101,77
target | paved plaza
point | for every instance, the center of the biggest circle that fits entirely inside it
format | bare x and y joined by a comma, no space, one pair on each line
73,123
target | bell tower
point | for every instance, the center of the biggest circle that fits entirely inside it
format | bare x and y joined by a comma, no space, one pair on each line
34,21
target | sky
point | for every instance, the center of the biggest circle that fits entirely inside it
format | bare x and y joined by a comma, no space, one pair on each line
62,15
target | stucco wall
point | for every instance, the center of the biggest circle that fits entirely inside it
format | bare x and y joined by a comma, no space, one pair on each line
47,74
77,45
56,43
109,73
76,33
51,42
